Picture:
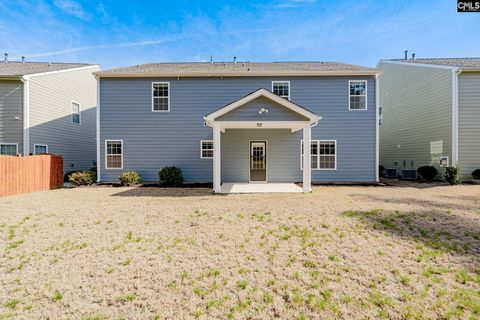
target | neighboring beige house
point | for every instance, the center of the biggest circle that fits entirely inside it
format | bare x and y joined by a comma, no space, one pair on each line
49,108
430,113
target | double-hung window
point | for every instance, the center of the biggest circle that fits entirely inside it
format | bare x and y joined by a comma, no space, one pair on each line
206,149
160,96
75,112
40,148
357,95
114,154
281,88
323,155
8,149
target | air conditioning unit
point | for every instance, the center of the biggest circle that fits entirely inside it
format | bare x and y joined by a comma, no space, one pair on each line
391,173
409,174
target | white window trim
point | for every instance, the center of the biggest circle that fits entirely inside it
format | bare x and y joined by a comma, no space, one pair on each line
319,169
10,144
366,95
106,154
79,112
40,145
289,87
168,98
201,149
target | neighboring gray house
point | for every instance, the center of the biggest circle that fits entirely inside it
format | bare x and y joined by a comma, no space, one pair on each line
239,122
49,108
430,113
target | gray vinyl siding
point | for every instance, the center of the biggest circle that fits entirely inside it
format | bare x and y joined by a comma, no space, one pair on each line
417,115
153,140
51,123
11,113
469,123
249,112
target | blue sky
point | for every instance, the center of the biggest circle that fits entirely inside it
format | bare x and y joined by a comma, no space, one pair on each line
118,33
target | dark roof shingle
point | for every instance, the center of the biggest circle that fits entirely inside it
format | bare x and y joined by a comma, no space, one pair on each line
450,62
18,69
238,68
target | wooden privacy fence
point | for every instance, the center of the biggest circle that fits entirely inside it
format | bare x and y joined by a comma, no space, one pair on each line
30,174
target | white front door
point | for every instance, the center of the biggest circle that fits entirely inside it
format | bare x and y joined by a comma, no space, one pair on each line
258,161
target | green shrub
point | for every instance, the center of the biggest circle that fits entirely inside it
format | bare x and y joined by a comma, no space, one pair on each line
428,173
381,171
452,175
130,178
66,177
83,178
171,177
476,174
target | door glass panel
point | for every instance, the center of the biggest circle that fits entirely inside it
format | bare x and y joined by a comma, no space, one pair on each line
258,156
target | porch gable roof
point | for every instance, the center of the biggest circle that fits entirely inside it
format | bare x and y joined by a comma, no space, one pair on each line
312,117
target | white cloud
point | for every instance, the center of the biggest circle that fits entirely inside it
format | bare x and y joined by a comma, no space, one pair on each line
73,8
293,3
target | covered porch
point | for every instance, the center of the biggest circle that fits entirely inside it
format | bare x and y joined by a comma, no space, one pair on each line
259,114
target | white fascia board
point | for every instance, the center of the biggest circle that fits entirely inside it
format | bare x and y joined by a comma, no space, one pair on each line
28,76
269,95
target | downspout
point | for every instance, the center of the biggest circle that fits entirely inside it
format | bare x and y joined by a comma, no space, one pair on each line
377,130
26,115
455,73
98,129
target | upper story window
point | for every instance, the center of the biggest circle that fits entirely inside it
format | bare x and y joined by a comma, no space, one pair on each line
8,149
161,96
40,148
357,95
75,112
206,149
323,155
114,154
281,88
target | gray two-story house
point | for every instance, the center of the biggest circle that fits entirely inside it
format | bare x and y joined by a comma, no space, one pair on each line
49,108
240,122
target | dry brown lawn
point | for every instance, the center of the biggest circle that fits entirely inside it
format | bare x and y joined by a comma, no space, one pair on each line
149,253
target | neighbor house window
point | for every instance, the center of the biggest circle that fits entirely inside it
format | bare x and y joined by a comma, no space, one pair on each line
161,96
323,155
281,88
40,148
206,151
75,112
114,154
8,149
357,95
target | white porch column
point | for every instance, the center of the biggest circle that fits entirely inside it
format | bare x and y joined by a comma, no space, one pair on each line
216,160
307,172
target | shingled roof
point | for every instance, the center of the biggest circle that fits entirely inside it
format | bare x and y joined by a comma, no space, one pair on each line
237,69
463,63
18,69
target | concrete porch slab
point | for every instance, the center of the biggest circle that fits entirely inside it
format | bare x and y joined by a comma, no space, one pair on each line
243,187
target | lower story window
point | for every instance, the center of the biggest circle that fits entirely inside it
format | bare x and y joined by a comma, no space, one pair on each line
114,154
8,149
206,149
323,155
40,148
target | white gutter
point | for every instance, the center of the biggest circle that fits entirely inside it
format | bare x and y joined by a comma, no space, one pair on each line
236,74
455,74
26,115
